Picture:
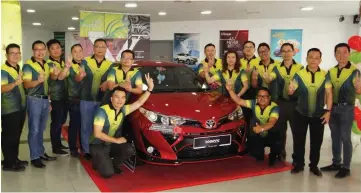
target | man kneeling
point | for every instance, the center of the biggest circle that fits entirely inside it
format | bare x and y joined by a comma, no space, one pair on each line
107,121
265,116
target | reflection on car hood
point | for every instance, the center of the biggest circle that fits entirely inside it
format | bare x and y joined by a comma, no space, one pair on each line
195,106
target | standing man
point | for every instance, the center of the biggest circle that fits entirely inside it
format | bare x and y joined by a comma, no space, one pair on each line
249,62
283,73
125,76
92,90
311,85
35,76
211,62
12,109
107,122
58,96
346,83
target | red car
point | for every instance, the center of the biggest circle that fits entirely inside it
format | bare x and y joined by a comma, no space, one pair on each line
183,121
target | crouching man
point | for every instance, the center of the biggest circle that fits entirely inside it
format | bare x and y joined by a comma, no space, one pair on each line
265,115
108,119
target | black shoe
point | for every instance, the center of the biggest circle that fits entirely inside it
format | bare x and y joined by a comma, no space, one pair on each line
118,170
63,147
316,171
60,152
74,154
343,172
37,163
283,155
21,162
87,156
271,161
14,168
47,158
297,169
330,168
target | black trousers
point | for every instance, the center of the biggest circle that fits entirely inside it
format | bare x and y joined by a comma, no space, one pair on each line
58,118
286,113
74,125
248,114
101,157
316,138
12,125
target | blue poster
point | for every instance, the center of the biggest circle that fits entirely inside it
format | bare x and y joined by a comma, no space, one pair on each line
279,37
186,49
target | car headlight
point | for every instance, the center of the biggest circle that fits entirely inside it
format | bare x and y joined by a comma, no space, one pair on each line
236,115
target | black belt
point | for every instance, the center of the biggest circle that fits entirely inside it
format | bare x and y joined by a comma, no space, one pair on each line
41,96
342,104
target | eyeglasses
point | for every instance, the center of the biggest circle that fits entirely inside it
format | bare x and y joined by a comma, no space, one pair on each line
248,47
100,47
264,52
263,96
14,54
287,51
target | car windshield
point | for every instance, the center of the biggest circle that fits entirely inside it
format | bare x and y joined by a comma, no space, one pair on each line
174,79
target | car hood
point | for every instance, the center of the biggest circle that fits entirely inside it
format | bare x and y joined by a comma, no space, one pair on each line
195,106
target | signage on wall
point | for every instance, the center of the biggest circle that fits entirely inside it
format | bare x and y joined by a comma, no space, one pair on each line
279,37
232,40
186,49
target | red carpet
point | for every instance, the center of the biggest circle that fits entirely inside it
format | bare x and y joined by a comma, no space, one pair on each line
152,178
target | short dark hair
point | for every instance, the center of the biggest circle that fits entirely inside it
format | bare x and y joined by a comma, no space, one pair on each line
118,88
264,89
51,42
314,50
225,64
340,45
254,45
263,44
288,44
100,40
11,46
37,42
210,44
128,51
75,45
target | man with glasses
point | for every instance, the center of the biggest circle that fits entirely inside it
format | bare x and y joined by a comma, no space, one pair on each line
35,76
12,109
282,75
92,91
346,83
311,85
265,116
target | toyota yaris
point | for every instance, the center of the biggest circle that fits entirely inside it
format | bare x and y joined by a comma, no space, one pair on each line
183,121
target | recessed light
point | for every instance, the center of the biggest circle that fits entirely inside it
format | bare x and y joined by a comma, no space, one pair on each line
206,12
30,10
75,18
131,5
36,23
241,0
306,8
71,28
162,13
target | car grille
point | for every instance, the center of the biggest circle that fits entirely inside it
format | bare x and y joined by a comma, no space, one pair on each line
190,153
198,124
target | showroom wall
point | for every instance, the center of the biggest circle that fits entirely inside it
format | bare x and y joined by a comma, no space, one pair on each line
31,34
323,33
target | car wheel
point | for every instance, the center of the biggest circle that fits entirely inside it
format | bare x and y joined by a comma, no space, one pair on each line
188,61
177,60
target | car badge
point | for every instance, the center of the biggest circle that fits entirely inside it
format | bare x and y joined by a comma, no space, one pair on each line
210,123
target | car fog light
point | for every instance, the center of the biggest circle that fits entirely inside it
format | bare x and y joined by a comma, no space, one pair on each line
150,149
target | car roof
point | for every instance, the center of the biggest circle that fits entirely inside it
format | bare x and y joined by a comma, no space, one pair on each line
143,63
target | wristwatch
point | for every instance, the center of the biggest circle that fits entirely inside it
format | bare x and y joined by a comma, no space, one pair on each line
149,91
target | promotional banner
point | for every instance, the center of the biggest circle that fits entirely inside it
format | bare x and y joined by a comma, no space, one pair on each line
121,32
11,31
279,37
186,49
232,40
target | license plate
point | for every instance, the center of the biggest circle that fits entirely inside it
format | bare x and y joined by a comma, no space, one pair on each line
213,141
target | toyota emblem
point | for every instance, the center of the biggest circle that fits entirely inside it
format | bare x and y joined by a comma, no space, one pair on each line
210,124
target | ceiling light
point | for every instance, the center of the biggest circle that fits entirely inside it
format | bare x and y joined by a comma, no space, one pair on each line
206,12
131,5
30,10
241,0
75,18
36,23
71,28
306,8
162,13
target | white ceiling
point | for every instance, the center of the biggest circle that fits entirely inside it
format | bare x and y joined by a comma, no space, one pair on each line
56,15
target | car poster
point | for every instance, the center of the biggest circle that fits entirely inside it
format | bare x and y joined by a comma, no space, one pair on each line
186,49
232,40
281,36
121,31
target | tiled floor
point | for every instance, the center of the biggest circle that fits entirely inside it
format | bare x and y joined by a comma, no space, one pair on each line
67,175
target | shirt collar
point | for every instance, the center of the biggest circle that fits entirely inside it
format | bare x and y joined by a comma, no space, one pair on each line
271,62
293,62
16,68
75,62
93,57
33,59
52,59
348,65
318,69
254,57
120,68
